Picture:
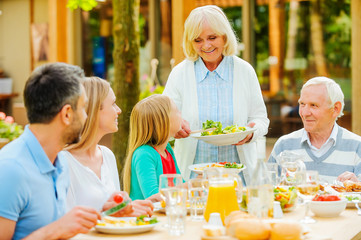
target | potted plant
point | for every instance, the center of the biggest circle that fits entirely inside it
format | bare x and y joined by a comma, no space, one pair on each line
9,130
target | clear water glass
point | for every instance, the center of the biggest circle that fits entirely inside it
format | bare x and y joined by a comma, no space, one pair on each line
273,172
197,194
176,210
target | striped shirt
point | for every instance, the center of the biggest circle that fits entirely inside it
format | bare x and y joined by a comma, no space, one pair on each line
345,155
215,102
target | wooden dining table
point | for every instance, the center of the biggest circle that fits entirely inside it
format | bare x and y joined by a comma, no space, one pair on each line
344,227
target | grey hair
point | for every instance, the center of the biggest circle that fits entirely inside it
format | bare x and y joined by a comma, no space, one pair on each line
334,91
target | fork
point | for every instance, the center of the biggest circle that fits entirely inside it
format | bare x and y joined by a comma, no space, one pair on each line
357,206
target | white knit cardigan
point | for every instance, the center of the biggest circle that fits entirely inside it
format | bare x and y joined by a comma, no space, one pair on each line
248,106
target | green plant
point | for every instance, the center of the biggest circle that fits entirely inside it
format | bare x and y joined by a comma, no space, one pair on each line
8,128
150,88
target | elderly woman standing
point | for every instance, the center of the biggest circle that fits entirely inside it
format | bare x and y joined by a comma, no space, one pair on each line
214,84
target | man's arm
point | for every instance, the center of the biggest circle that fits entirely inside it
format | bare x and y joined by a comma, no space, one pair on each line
79,220
7,228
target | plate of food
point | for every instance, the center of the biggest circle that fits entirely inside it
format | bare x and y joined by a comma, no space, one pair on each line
199,168
352,200
126,225
347,187
222,136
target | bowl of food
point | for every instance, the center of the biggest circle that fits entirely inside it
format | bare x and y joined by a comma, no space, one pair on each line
287,196
327,205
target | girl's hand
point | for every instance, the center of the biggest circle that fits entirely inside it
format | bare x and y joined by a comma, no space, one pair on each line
142,207
248,138
155,198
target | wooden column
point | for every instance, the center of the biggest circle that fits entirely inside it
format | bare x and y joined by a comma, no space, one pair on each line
180,12
356,62
276,43
58,23
249,53
154,28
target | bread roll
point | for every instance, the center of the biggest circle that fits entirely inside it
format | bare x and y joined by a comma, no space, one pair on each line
236,215
286,231
213,230
249,228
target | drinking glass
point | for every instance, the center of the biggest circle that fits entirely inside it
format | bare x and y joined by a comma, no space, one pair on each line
197,194
273,172
176,210
167,182
307,186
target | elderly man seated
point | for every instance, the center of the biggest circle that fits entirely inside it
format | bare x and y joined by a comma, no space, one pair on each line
326,147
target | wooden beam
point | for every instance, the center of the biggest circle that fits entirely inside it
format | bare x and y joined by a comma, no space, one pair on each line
249,53
276,43
180,12
356,62
58,22
154,27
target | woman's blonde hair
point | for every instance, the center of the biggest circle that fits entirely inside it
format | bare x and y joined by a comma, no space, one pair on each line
97,90
149,124
217,20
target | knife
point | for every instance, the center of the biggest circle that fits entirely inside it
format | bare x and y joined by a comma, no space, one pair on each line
115,209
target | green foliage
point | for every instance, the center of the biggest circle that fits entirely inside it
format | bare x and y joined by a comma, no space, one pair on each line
9,129
157,89
150,88
86,5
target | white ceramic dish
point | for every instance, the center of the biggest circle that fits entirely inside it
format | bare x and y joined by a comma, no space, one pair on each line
198,168
126,229
224,139
328,209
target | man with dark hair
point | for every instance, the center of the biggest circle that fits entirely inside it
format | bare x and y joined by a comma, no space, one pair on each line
33,177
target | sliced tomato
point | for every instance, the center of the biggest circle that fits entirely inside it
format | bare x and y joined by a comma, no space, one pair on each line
118,198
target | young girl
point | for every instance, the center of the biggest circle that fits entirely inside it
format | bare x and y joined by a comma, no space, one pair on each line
93,170
152,122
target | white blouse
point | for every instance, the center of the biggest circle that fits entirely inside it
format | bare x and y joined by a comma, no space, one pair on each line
86,188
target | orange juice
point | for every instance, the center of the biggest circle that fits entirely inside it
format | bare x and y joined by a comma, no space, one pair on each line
222,198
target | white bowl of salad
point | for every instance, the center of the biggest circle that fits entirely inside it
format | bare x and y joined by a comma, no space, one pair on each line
222,136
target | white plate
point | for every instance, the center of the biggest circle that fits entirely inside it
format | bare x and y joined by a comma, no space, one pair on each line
224,139
198,168
126,229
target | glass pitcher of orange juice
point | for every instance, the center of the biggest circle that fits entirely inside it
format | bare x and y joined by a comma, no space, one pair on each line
224,190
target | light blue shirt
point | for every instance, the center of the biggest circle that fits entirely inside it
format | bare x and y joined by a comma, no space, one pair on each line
32,190
215,102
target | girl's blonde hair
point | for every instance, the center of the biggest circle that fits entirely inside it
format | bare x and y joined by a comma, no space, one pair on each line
97,90
149,124
217,20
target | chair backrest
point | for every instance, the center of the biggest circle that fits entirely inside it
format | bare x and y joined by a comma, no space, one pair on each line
19,114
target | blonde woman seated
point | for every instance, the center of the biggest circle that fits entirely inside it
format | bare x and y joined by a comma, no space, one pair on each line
152,122
94,179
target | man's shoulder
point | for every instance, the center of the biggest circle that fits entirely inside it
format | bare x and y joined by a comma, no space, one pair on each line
15,150
293,135
346,134
289,141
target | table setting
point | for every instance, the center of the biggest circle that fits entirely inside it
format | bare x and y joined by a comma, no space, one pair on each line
182,221
214,206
